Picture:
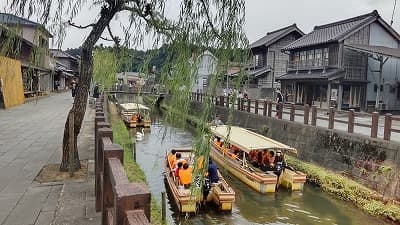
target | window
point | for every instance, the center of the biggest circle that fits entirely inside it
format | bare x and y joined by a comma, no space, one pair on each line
318,57
296,57
376,87
325,56
258,60
310,57
303,58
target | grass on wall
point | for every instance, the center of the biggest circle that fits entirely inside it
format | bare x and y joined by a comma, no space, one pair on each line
133,170
347,189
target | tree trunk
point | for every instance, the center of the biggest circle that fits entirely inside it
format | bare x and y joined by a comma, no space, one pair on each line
86,71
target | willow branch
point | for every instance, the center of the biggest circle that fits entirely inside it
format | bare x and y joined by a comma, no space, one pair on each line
79,26
210,23
106,39
114,38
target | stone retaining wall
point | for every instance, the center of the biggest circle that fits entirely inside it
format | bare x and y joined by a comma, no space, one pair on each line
373,162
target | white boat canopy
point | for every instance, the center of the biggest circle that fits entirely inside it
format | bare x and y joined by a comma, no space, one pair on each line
247,140
133,106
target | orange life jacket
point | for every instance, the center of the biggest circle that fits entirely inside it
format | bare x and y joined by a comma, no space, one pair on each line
185,176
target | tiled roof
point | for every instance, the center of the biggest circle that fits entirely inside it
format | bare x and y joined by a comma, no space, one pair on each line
61,54
273,36
332,32
373,49
6,18
315,75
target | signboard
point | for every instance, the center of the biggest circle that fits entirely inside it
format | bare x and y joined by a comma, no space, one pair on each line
334,93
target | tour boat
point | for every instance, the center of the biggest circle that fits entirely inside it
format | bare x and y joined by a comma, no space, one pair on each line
188,200
135,115
245,142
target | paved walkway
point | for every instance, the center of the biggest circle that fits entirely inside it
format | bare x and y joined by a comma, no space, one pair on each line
31,137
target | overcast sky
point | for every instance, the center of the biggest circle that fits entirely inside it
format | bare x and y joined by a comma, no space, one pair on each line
263,16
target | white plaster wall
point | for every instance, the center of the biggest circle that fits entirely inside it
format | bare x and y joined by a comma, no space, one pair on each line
206,67
391,70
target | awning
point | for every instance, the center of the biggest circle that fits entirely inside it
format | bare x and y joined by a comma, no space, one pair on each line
247,140
133,106
260,71
328,75
373,49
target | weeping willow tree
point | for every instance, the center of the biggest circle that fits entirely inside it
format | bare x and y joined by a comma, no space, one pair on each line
201,24
105,66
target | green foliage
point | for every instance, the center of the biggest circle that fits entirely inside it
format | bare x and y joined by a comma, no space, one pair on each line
347,189
105,66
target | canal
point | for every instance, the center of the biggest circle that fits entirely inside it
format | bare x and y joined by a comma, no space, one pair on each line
310,207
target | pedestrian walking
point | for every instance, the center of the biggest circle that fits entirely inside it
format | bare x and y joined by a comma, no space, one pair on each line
73,89
96,92
279,99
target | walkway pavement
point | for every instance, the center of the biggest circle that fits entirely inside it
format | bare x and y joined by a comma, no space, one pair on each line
31,137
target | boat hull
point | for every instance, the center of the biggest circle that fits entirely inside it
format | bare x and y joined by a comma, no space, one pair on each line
220,193
260,182
293,180
182,198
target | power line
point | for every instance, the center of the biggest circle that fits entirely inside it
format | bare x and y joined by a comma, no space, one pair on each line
394,8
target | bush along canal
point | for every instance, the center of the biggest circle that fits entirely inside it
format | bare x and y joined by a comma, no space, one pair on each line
312,206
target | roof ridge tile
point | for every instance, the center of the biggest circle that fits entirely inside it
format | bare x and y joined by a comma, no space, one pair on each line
353,19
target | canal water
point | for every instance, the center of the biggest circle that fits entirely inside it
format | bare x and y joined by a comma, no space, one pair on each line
310,207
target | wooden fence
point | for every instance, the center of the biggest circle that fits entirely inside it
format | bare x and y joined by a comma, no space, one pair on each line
267,107
121,202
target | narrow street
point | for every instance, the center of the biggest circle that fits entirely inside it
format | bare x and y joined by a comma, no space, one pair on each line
31,137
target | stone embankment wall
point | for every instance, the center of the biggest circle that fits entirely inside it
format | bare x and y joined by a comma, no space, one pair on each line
372,162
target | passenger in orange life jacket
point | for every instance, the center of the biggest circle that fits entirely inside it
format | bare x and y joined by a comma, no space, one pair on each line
185,175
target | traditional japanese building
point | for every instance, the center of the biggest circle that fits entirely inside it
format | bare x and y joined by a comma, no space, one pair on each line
323,70
268,62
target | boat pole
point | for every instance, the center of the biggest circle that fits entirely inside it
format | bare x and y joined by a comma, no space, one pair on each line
163,206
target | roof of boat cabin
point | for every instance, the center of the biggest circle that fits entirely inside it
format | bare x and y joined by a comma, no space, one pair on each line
247,140
133,106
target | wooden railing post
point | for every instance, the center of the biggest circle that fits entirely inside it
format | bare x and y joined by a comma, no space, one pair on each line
102,134
313,115
388,127
238,104
292,112
280,110
248,105
350,124
131,196
256,107
269,112
265,107
221,101
197,97
331,118
374,124
306,113
228,102
110,151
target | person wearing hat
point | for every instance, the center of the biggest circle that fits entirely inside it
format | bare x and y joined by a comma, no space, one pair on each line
279,163
217,121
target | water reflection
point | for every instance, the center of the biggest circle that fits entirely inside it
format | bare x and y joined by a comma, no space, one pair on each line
309,207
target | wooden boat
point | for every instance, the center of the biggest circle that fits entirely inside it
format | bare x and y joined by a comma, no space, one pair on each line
135,115
247,141
188,200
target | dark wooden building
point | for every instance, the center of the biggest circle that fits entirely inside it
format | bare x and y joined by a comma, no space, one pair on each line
323,72
268,62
